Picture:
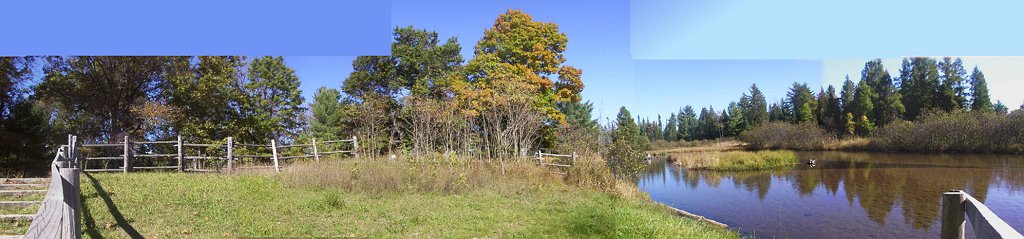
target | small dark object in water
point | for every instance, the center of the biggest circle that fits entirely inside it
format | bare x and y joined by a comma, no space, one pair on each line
810,162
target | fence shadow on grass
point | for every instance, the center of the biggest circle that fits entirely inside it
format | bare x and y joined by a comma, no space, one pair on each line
90,222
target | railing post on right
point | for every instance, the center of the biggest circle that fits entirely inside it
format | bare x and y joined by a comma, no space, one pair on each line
355,146
316,153
231,156
273,150
953,214
181,155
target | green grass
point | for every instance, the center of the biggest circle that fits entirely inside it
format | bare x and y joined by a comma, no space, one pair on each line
738,160
32,196
13,227
174,205
30,209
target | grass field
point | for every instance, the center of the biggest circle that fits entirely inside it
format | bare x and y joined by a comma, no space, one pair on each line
363,201
736,160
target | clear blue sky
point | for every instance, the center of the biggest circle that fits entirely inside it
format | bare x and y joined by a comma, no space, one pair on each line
653,56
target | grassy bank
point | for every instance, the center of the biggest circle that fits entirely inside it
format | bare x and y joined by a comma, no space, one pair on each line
377,198
736,160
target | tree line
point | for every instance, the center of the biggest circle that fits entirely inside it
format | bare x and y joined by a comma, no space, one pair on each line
514,96
923,86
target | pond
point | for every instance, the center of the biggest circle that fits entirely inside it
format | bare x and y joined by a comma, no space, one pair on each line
845,195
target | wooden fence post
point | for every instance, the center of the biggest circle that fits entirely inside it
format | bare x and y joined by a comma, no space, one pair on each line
355,146
273,150
72,200
181,155
231,144
953,214
127,155
573,157
316,153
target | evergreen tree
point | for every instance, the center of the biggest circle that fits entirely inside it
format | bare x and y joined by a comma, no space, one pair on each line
671,128
803,104
735,122
1000,108
888,105
273,102
952,94
980,100
862,105
204,97
687,123
328,109
846,96
919,84
756,113
709,124
864,126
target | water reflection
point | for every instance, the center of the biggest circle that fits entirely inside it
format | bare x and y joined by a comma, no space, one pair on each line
898,194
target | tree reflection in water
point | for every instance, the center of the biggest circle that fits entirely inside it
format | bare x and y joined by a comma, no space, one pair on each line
879,183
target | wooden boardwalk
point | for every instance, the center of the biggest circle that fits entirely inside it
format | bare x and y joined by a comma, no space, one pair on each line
19,199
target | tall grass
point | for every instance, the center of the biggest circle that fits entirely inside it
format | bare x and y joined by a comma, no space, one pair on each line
781,135
737,160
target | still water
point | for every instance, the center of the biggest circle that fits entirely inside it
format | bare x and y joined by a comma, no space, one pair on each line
846,195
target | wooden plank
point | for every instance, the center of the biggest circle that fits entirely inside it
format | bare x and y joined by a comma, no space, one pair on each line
202,157
156,142
27,217
336,141
155,155
953,215
252,145
47,221
181,155
315,153
20,186
101,145
273,149
203,145
102,170
127,154
19,192
231,158
252,156
694,216
985,223
18,203
156,167
104,158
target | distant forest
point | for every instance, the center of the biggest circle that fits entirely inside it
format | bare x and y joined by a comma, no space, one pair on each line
924,86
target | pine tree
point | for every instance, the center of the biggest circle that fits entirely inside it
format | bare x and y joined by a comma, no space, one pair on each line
671,128
735,122
273,104
888,105
803,104
862,106
757,112
919,84
687,123
1000,108
328,111
952,94
980,100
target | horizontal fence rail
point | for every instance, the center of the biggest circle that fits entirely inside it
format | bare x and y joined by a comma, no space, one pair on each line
958,206
555,162
219,154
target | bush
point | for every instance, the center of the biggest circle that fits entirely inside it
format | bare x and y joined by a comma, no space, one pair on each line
780,135
954,132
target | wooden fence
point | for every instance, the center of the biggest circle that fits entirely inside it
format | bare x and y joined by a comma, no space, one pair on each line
958,206
58,216
223,155
564,161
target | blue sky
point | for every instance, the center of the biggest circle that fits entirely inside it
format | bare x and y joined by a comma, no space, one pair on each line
656,56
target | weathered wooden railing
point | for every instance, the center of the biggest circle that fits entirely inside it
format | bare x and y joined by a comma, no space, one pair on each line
58,216
958,206
229,156
554,163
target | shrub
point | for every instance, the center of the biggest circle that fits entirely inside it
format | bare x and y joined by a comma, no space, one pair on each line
780,135
954,132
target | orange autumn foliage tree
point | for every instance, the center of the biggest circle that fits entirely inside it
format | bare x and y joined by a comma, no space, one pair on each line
518,50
